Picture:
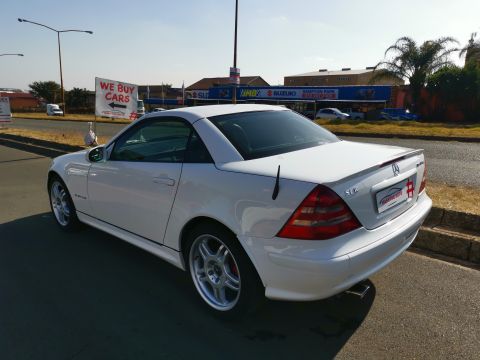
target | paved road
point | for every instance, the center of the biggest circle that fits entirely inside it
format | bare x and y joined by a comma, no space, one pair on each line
449,162
453,163
89,295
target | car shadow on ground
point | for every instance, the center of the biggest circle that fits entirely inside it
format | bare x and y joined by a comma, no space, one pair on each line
90,295
40,147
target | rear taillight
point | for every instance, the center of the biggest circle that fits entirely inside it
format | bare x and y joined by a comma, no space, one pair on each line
424,178
322,215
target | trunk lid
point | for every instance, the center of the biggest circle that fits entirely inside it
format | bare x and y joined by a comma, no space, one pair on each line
378,182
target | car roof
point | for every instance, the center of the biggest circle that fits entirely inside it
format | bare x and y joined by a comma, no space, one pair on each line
195,113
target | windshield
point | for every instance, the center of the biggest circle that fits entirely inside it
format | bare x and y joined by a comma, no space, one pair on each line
266,133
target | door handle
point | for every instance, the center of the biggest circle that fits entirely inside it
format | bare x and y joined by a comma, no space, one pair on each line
164,181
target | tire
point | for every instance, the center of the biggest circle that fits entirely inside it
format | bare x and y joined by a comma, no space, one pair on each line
62,206
221,272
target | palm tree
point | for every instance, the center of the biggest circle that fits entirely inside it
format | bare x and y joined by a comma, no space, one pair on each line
471,50
412,62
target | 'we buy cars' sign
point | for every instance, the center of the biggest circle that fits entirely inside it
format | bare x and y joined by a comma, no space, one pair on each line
115,99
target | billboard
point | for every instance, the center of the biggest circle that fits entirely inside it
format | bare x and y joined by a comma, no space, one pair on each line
115,99
311,93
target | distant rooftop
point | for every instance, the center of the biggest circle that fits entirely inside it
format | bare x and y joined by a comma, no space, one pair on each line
207,83
10,90
344,71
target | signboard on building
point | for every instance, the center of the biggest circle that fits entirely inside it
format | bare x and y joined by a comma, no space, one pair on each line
377,93
115,99
234,76
297,94
5,113
196,94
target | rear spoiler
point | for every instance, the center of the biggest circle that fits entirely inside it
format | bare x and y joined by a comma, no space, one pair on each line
398,157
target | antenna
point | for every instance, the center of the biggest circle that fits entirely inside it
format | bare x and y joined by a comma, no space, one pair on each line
277,185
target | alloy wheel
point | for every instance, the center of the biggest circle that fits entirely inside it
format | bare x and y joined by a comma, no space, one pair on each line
60,203
215,272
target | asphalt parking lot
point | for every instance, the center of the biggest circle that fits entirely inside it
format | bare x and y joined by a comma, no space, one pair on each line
89,295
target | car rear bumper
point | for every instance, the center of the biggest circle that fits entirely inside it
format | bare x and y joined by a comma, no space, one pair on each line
311,270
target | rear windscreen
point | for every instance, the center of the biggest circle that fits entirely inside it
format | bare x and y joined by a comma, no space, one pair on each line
265,133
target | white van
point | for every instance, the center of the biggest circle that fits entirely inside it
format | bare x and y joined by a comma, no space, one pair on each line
140,108
54,110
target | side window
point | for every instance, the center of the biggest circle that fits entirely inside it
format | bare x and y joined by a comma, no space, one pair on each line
157,140
197,152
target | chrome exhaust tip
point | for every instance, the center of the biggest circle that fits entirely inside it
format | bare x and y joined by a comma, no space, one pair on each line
360,290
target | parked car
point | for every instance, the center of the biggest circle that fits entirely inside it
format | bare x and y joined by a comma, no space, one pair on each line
355,115
157,109
331,113
54,110
250,200
397,114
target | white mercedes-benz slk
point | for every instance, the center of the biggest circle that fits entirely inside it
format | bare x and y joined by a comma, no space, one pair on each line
251,200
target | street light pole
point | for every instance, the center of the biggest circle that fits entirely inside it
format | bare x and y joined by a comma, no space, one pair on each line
59,53
11,54
62,89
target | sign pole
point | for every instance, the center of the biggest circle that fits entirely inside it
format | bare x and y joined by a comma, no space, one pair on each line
234,97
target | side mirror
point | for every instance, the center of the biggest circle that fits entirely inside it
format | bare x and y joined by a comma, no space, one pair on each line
96,154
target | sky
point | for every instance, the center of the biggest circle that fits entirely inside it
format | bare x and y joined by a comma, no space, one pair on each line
164,41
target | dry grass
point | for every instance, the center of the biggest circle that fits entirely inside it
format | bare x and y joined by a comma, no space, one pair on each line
353,126
401,128
458,198
69,117
69,138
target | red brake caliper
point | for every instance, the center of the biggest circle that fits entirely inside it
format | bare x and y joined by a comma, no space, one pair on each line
233,268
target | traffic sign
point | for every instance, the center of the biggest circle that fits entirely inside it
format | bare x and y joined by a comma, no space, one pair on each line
235,76
115,99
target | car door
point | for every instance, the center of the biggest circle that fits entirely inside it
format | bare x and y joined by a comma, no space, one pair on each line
135,187
324,114
329,114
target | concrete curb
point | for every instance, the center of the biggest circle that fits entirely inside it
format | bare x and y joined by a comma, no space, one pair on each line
404,136
451,233
439,217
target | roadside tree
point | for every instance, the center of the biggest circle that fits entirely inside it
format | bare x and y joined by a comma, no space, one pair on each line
77,98
48,90
471,51
413,62
457,88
